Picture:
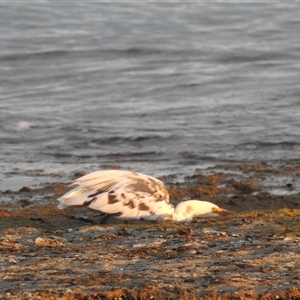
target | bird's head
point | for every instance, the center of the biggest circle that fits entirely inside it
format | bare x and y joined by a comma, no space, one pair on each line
220,212
185,211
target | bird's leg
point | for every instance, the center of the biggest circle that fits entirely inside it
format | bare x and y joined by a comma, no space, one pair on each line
105,219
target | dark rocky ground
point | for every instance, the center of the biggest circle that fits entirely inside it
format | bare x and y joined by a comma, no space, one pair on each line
48,253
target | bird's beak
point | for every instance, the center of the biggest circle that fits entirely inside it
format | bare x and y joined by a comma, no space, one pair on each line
223,212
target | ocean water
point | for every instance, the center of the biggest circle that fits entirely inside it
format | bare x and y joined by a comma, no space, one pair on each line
161,88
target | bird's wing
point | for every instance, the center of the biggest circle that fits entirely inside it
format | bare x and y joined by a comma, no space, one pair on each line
104,180
125,194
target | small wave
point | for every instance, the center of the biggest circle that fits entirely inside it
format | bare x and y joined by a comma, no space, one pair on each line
270,145
140,155
33,55
23,125
137,51
18,126
252,57
129,139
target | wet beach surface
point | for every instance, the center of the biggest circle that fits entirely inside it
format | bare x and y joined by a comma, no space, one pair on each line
48,253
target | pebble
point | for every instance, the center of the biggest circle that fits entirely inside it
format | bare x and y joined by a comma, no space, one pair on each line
190,251
51,241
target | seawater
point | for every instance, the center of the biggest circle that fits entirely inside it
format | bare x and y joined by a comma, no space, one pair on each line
160,88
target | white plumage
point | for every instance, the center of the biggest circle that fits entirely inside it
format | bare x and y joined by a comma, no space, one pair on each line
131,195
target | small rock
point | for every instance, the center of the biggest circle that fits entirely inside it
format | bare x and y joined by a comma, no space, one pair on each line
51,241
190,251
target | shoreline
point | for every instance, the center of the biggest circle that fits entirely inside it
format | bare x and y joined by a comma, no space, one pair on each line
48,253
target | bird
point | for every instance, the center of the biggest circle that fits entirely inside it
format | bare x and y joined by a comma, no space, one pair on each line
131,195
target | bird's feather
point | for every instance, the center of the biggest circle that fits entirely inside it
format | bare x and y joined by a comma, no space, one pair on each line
124,194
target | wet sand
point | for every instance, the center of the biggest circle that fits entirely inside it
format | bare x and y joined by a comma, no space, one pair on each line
48,253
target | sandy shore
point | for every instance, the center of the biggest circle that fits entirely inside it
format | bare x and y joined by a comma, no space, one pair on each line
48,253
